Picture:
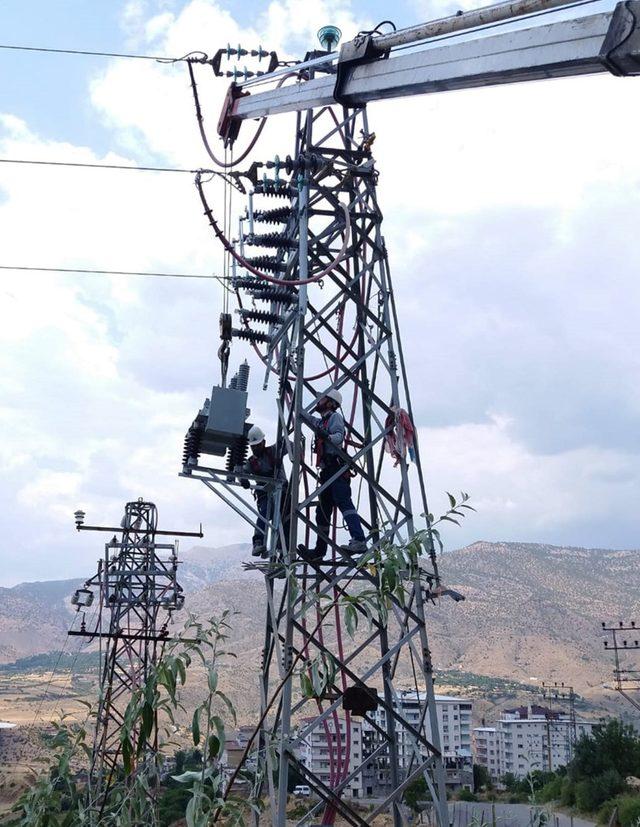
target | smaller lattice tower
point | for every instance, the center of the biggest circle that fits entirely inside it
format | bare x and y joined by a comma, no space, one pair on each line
137,592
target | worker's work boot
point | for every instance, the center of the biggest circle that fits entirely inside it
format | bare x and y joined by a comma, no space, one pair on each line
355,547
312,555
258,549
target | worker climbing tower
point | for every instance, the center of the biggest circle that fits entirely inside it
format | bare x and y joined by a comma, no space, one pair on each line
137,592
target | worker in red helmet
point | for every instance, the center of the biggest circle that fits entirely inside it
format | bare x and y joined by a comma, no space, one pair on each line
329,428
265,461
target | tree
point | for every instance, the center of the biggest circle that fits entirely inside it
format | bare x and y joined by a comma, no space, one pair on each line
510,782
612,746
416,793
591,793
481,777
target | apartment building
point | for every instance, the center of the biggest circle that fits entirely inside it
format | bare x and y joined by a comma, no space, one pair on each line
527,738
454,725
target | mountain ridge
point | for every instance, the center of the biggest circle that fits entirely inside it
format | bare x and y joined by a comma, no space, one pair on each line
532,611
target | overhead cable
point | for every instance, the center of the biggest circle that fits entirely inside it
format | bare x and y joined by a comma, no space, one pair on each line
110,272
86,52
105,166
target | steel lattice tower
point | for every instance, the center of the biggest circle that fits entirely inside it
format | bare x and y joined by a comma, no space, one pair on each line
332,322
138,590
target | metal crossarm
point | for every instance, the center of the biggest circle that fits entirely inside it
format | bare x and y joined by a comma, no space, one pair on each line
596,43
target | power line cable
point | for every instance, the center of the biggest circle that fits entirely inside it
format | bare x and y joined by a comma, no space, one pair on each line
106,166
89,53
110,272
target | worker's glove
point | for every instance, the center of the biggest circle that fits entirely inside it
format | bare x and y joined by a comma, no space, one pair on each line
245,483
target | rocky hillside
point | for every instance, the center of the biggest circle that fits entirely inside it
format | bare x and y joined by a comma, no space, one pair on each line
34,617
532,613
535,611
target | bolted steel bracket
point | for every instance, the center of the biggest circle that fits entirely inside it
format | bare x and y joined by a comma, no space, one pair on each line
620,51
362,49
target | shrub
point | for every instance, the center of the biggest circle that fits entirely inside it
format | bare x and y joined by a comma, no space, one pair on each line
629,810
552,790
604,813
591,794
568,793
467,795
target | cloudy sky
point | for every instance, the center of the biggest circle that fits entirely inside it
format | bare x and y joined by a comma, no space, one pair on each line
511,217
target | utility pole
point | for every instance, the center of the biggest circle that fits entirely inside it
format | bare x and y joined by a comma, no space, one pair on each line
620,639
137,593
564,693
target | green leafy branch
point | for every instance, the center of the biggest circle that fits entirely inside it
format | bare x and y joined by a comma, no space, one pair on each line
457,510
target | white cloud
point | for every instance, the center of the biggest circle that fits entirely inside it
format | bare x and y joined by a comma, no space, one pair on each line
508,219
583,496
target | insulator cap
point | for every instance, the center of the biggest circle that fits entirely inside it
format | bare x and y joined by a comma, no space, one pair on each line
191,450
251,335
237,453
271,264
274,190
276,294
278,215
260,316
279,240
247,282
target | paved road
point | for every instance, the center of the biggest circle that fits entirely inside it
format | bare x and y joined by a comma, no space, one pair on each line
468,814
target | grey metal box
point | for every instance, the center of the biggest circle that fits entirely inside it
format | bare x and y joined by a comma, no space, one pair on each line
228,412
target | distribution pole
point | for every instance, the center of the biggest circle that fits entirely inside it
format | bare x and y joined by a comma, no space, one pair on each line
627,680
563,692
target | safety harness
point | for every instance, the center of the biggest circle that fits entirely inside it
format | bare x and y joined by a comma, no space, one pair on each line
319,442
269,454
319,446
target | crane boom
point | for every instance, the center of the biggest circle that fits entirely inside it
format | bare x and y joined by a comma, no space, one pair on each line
603,42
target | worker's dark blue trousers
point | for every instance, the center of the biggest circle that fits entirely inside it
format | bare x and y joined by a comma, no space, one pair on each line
263,505
337,495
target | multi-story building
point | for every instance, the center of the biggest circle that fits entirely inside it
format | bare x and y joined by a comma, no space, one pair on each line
323,761
487,750
454,725
528,738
